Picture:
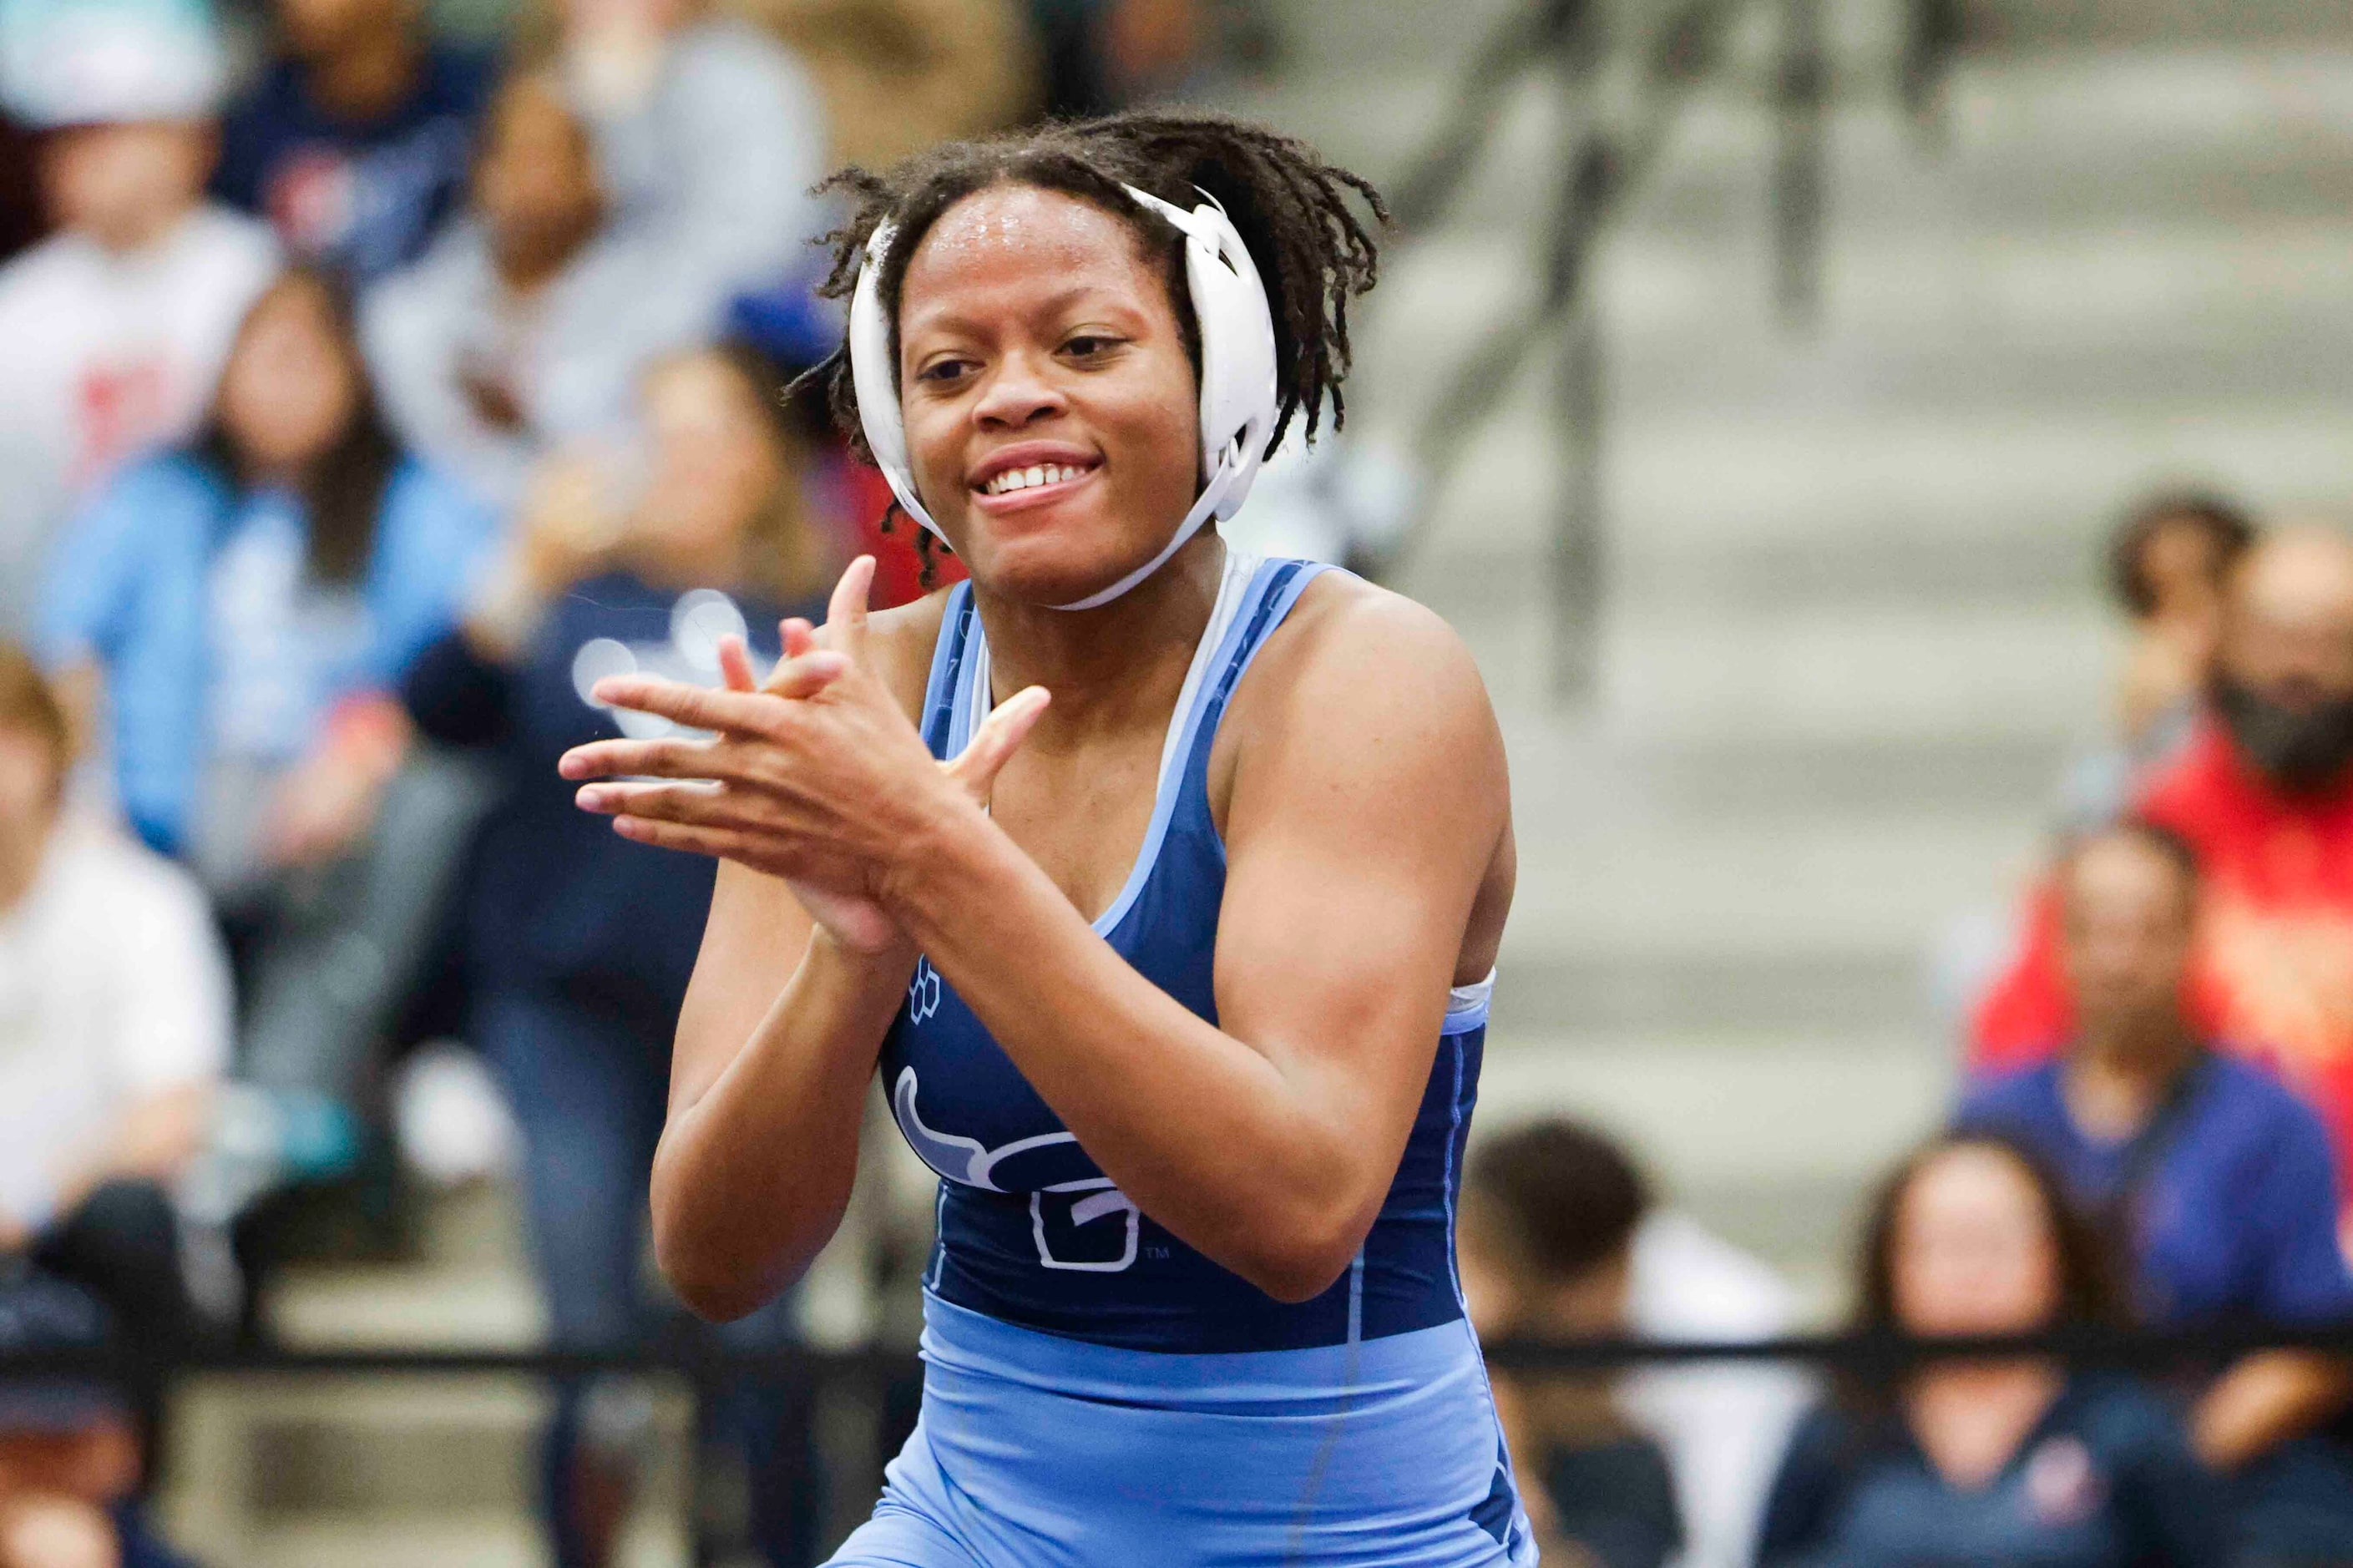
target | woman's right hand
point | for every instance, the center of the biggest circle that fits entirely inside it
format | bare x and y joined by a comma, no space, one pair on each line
839,903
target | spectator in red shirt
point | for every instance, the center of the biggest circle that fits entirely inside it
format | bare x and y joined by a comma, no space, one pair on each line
2264,792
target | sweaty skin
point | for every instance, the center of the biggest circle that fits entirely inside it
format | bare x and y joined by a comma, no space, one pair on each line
1358,781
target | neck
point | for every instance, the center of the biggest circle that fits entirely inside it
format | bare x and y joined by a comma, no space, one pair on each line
1977,1386
2117,1078
20,858
1122,661
525,270
144,234
368,77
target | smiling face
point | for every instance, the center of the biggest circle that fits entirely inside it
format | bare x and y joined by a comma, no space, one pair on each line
1974,1248
1052,413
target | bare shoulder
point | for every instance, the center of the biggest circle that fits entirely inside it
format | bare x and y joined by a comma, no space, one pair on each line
901,641
1361,673
1356,650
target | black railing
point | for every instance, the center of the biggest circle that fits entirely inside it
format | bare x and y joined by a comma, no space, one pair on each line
872,1376
1564,41
1601,161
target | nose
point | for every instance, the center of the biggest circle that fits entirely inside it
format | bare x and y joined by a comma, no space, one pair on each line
1020,393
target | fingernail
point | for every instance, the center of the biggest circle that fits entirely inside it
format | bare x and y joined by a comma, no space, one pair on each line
590,798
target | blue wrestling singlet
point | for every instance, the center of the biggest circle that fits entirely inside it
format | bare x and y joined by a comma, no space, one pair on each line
1096,1391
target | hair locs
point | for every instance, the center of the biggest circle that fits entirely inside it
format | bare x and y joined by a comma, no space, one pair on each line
1293,212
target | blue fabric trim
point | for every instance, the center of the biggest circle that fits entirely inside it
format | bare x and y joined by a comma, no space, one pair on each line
1316,1380
947,662
1233,653
1285,580
1356,1298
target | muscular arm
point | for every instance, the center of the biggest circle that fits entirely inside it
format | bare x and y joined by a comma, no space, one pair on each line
1368,804
776,1038
767,1086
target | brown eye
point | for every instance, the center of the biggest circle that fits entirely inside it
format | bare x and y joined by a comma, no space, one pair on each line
1091,345
944,373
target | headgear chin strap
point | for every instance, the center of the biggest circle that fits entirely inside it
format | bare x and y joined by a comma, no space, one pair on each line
1237,398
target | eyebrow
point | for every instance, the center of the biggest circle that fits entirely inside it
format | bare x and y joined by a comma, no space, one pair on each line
1058,301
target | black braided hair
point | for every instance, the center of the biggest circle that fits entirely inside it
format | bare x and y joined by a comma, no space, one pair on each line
1290,208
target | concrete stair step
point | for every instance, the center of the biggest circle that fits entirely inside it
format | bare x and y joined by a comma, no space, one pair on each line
1724,1109
2034,25
1683,489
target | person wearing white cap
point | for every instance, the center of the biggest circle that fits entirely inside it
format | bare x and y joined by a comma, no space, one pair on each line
117,323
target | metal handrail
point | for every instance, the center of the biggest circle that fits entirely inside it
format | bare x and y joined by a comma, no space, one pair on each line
710,1366
1603,164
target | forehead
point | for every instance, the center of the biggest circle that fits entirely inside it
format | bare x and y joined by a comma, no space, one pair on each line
1007,247
2302,580
1970,1178
2121,866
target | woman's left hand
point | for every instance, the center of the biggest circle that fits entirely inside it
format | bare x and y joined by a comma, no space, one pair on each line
817,777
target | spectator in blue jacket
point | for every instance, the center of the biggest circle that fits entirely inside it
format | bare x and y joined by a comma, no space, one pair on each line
1966,1464
354,142
245,604
579,945
2213,1178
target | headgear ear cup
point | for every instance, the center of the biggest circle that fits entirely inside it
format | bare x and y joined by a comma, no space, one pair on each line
875,378
1238,383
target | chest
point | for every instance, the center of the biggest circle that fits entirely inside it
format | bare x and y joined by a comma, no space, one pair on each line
2053,1508
58,995
1082,814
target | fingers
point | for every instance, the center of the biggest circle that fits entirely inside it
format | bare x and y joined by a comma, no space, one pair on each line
999,736
696,803
754,711
845,613
719,843
735,664
641,759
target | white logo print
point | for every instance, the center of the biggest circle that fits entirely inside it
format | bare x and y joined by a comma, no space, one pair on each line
1072,1204
923,991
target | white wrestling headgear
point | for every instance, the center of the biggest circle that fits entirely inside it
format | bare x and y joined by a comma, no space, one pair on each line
1237,400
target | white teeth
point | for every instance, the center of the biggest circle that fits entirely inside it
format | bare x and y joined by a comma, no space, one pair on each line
1024,478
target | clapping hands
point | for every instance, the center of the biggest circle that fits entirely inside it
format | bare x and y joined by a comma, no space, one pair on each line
815,776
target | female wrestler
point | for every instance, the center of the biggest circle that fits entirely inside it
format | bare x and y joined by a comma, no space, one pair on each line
1185,998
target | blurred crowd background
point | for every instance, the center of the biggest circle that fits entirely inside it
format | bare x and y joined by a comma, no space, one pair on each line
1917,594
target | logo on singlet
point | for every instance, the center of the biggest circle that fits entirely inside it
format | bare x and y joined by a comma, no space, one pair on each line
923,991
1065,1217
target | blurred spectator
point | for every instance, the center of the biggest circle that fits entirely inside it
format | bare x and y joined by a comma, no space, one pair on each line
246,603
1560,1238
709,131
526,328
580,943
1987,1461
66,1498
115,1026
355,140
2263,794
2169,561
897,75
117,323
2217,1179
1103,54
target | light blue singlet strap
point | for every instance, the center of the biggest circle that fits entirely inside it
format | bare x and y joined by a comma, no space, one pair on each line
948,663
1253,596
